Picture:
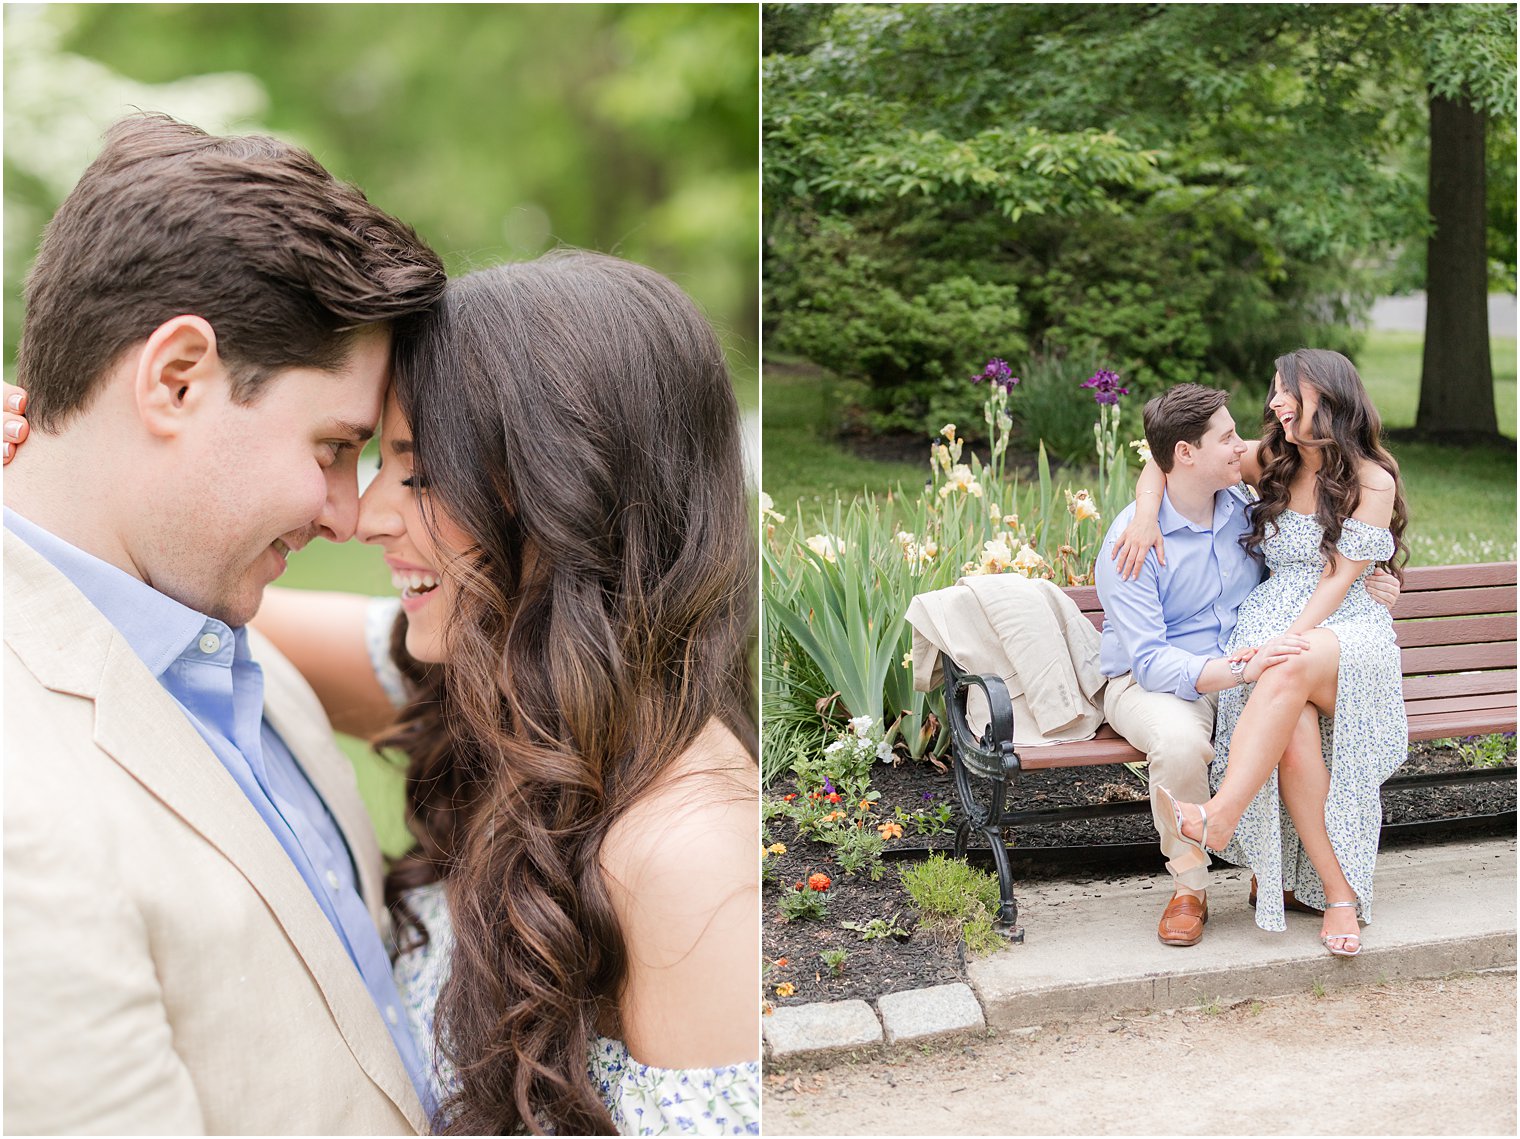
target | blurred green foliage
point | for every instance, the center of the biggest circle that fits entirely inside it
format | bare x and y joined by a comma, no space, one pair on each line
1181,190
498,131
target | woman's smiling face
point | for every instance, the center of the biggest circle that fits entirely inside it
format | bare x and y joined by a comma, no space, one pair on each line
1295,415
391,517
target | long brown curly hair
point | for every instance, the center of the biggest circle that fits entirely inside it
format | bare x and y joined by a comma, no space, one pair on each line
1346,432
574,417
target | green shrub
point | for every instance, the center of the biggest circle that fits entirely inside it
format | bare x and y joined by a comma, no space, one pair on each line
857,848
803,905
957,897
852,308
877,928
1486,751
791,687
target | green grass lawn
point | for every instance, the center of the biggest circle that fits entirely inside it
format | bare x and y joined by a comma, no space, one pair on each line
1461,500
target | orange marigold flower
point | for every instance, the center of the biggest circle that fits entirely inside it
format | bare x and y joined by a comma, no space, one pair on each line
834,797
890,830
819,882
865,804
786,989
833,816
799,885
782,962
789,798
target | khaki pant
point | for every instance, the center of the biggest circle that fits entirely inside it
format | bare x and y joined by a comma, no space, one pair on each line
1176,736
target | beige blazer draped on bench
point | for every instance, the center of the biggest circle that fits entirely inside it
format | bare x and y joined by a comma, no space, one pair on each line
1026,631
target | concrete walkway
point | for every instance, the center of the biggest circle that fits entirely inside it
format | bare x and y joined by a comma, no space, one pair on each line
1091,950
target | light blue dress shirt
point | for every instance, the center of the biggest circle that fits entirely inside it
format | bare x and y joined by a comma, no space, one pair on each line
205,665
1166,624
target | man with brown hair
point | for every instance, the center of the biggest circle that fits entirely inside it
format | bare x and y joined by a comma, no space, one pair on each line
1166,627
192,887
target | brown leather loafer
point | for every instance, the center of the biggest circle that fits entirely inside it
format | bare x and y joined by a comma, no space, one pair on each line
1182,922
1289,901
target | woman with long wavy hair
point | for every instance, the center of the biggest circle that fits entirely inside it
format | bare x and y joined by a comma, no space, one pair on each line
561,503
1331,508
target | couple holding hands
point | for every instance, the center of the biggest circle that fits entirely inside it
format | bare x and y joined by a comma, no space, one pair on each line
200,932
1249,694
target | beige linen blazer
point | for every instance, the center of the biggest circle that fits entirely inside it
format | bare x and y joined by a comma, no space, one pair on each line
1029,633
166,968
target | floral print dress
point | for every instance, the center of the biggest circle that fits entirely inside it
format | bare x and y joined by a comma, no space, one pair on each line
1363,744
641,1099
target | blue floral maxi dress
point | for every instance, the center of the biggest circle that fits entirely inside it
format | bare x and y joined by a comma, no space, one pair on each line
1363,744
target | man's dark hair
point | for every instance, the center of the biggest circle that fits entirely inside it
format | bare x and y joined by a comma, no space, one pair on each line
1180,415
252,234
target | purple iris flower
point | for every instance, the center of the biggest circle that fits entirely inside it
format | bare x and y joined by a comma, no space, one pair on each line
828,788
927,796
997,372
1105,385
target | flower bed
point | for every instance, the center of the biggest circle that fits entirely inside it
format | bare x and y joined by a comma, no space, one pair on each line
918,954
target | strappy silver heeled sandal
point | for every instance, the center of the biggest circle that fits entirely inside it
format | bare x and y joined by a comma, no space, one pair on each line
1170,810
1326,938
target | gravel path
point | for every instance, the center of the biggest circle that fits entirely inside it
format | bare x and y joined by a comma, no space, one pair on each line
1408,1057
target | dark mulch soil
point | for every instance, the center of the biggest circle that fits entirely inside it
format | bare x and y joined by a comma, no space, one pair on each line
928,956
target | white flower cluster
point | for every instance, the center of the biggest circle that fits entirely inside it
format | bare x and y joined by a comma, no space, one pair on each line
919,554
826,546
768,509
862,739
1082,506
998,556
961,479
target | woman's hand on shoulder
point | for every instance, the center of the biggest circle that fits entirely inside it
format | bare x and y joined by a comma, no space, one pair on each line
683,872
1134,544
16,425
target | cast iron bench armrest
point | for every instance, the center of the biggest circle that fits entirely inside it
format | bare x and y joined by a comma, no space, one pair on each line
992,756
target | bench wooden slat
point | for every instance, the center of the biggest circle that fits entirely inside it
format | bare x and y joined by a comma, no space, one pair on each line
1460,703
1457,684
1455,631
1479,722
1456,602
1419,578
1458,658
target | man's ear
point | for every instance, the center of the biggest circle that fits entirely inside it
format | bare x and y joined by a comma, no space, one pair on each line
178,371
1183,454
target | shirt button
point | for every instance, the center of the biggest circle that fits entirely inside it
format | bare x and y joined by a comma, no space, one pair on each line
332,879
210,643
390,1014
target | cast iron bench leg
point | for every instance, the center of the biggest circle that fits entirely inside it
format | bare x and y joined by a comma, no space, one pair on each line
993,758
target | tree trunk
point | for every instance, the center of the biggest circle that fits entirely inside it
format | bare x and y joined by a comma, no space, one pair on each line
1456,381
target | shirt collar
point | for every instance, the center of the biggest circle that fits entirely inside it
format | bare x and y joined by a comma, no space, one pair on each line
1226,502
158,628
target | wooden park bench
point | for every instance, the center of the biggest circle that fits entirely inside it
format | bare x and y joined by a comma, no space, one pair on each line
1455,627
